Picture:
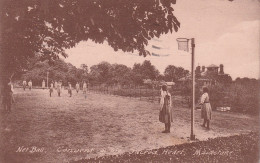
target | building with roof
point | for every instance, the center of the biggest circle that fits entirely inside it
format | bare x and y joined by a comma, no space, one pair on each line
206,76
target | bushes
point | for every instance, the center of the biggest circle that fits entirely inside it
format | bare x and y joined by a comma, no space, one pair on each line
239,148
240,97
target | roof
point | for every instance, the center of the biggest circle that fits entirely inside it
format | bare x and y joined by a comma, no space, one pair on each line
212,66
187,77
170,83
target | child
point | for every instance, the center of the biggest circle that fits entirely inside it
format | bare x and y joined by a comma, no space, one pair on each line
43,84
70,90
77,87
24,84
30,84
59,88
166,112
51,88
85,89
206,108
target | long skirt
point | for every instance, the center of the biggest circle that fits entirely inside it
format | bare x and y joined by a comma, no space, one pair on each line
7,101
165,115
206,111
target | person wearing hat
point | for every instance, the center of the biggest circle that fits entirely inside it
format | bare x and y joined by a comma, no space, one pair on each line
206,108
166,113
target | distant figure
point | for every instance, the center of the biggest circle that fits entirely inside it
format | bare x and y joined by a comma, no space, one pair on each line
206,108
30,84
8,99
77,87
43,84
51,88
59,88
70,89
55,84
85,89
24,84
166,113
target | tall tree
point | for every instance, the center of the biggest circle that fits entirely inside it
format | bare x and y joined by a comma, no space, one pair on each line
173,73
47,27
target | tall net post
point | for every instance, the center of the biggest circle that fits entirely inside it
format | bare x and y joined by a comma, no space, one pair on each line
183,44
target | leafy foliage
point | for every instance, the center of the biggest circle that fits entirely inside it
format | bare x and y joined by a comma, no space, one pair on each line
58,70
173,73
47,27
239,148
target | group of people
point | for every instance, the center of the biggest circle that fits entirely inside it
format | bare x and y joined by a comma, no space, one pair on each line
166,110
29,84
58,87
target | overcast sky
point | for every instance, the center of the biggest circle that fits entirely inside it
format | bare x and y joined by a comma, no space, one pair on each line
225,33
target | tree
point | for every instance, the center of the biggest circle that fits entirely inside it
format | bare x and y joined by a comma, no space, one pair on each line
47,27
149,71
172,73
101,72
121,74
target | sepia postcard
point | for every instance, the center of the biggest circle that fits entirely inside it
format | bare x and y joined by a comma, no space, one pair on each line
129,81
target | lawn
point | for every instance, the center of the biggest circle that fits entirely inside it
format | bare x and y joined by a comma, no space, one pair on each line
60,129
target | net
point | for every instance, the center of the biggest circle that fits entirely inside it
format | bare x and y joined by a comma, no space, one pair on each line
183,44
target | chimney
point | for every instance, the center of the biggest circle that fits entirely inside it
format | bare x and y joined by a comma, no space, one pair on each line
221,71
198,69
203,69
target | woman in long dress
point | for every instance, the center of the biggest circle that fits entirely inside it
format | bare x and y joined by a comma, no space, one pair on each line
43,84
30,84
206,108
51,88
85,89
7,96
166,113
59,88
77,87
70,90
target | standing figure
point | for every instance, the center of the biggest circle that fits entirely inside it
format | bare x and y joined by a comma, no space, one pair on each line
206,108
30,84
166,113
59,88
24,84
85,89
55,84
70,89
77,87
51,88
7,93
43,84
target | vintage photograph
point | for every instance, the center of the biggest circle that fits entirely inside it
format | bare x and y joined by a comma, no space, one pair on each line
130,81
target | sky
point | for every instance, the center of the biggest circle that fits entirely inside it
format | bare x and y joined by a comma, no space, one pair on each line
225,33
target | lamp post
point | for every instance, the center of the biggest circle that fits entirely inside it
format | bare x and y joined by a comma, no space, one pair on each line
183,44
